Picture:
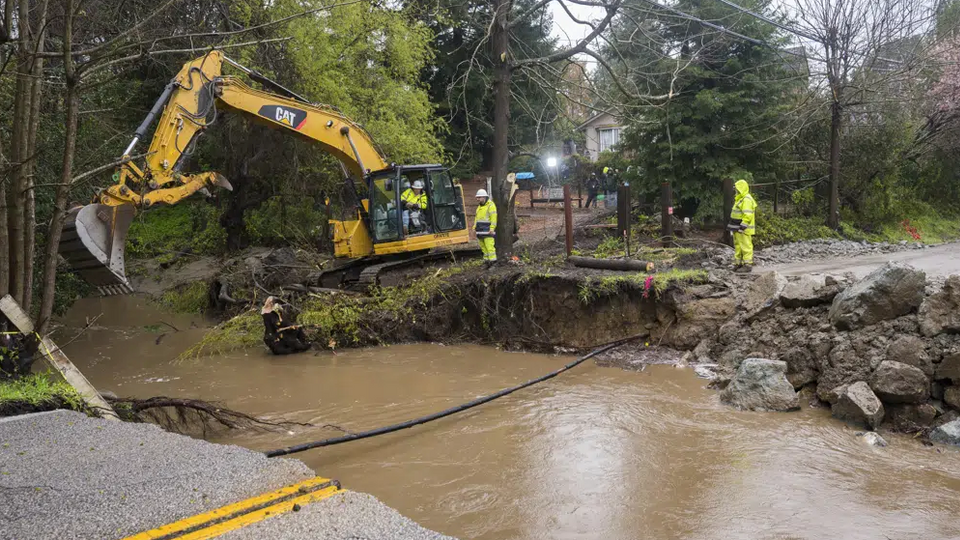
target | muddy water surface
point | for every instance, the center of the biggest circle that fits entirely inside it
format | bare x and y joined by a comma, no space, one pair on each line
595,453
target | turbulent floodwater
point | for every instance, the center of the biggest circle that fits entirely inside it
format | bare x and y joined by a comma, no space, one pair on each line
595,453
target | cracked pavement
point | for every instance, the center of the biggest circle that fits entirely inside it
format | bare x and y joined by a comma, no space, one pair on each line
64,475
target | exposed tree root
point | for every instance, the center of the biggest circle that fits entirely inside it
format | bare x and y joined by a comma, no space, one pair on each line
183,415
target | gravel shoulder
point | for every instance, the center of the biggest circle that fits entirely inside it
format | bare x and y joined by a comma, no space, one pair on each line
64,475
938,262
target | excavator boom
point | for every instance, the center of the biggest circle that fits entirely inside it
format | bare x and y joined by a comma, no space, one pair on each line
94,235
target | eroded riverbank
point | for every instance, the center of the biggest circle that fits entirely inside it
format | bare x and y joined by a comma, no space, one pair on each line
595,453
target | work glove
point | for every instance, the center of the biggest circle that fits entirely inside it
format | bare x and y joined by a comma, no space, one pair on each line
743,226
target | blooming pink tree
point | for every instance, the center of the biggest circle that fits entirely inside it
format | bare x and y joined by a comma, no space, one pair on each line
946,91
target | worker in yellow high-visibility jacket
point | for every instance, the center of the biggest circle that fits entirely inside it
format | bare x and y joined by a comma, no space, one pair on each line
413,199
485,226
744,218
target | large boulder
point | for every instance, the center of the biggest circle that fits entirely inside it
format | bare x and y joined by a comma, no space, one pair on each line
940,312
910,417
890,291
764,292
949,368
849,361
951,396
948,433
761,385
857,404
808,291
802,367
894,382
697,319
912,351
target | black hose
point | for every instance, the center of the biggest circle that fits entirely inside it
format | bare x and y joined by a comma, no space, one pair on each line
453,410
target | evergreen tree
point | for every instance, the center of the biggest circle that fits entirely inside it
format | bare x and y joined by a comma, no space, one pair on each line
728,98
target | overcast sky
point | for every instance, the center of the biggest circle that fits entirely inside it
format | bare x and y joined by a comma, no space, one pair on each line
565,29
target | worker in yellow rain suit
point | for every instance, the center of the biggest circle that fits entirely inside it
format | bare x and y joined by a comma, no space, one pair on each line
743,221
485,225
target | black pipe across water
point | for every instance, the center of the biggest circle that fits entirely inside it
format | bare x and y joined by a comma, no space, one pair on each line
447,412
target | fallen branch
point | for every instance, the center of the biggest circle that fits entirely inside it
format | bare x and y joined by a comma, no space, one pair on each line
608,264
175,329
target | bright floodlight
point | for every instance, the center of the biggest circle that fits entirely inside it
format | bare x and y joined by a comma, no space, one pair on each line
551,162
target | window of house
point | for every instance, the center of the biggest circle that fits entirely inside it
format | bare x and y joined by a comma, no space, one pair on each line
609,137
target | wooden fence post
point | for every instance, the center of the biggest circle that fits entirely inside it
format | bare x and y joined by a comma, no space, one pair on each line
666,214
727,208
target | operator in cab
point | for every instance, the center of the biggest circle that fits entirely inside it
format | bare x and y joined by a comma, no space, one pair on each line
485,226
281,334
414,200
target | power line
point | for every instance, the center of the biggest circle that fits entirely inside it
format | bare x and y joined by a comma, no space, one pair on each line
725,30
770,21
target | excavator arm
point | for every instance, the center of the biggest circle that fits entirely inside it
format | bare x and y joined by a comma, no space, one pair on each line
94,235
191,103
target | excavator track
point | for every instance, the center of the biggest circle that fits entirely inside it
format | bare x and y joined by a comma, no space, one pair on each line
364,274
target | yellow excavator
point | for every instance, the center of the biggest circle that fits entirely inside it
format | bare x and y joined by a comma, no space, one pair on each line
94,235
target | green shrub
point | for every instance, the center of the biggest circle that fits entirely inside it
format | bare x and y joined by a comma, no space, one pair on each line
168,230
39,390
773,229
296,222
190,298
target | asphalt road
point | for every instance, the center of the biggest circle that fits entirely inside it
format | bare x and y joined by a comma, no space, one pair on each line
939,261
64,475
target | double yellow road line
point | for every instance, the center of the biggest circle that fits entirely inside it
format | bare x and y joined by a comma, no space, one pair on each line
233,516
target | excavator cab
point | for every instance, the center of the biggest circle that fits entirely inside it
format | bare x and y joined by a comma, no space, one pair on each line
390,218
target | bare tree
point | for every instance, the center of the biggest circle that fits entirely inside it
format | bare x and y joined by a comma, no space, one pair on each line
864,47
508,58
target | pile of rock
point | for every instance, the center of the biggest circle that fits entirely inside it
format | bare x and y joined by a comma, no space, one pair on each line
880,351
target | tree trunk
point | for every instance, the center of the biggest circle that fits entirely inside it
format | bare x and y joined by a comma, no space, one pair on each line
836,117
30,201
19,154
72,110
500,42
4,238
232,217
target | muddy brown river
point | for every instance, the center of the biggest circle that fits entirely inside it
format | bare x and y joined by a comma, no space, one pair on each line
595,453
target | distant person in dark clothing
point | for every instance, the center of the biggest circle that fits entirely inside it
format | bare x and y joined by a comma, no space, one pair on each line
281,334
593,187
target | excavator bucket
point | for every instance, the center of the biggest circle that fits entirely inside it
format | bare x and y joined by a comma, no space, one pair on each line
93,242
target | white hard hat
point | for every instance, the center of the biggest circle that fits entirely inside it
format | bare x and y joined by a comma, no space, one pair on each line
482,193
417,184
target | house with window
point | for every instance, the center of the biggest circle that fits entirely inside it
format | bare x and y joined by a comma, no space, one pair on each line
601,133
